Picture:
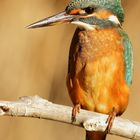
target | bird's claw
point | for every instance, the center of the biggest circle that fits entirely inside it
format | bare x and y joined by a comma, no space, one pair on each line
110,120
75,110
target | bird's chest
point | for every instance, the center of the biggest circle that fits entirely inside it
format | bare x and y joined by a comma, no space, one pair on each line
98,43
97,70
92,46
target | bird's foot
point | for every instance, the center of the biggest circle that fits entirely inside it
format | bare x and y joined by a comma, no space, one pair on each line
110,120
75,110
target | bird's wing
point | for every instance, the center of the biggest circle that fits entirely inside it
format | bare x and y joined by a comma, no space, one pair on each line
128,56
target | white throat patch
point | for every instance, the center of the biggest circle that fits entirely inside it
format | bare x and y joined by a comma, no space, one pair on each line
114,19
84,25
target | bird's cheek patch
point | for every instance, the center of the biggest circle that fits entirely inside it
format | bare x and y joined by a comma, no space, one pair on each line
103,14
75,12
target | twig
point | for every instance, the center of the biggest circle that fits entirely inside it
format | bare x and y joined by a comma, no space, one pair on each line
40,108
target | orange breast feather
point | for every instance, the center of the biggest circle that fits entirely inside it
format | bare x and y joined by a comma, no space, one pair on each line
96,76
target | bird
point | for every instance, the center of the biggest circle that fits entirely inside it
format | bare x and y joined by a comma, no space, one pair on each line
100,66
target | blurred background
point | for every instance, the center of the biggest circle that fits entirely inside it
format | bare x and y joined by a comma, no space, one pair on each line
34,62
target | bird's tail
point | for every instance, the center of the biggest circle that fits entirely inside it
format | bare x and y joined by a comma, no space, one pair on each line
95,135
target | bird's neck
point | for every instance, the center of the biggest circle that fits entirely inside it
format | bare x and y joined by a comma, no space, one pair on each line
95,43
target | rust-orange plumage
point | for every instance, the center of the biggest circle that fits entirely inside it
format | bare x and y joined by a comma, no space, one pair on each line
97,70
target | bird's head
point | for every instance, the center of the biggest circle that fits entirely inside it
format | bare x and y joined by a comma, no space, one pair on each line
87,14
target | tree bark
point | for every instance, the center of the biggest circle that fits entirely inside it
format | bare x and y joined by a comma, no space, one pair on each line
37,107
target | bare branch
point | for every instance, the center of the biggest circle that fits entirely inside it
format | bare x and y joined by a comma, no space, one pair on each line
40,108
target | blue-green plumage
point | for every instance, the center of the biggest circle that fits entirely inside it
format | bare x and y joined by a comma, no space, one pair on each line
111,5
99,23
128,56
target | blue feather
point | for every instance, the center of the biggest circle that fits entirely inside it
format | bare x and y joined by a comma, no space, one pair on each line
128,56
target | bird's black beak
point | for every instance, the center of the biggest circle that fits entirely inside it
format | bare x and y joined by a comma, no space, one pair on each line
62,17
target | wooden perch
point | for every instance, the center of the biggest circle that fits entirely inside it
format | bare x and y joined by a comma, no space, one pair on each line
40,108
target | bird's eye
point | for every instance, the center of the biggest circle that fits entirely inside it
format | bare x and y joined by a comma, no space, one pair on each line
89,10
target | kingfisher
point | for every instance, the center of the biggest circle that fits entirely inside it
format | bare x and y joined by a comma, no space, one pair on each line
100,66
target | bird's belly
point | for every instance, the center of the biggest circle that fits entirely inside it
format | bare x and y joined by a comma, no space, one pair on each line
100,85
